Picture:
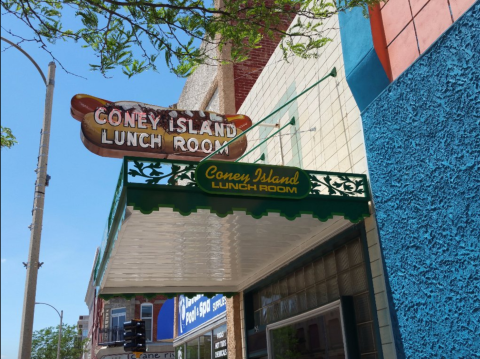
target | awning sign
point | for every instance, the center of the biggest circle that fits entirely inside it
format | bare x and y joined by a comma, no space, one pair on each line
128,128
252,180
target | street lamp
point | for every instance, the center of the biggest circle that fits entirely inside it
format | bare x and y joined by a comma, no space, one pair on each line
59,329
26,332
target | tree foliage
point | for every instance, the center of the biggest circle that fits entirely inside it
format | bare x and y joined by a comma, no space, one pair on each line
45,343
132,34
8,139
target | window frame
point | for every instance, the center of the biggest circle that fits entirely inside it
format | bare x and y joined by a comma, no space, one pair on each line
151,320
117,315
304,316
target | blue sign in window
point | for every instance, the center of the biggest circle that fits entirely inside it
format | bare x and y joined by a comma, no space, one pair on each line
198,310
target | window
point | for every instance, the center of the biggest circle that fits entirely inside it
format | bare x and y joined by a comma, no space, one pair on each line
192,349
319,335
116,324
146,314
209,345
340,273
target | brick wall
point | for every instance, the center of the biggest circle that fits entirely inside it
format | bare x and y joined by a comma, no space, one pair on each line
246,73
157,305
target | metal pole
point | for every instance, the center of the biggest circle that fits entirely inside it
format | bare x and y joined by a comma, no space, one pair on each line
290,123
59,329
26,331
332,73
60,335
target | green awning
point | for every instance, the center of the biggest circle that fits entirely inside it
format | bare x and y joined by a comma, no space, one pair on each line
166,235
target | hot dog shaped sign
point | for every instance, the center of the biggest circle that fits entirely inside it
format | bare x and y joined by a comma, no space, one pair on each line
128,128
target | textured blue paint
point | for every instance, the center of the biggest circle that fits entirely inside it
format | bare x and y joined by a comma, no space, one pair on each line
363,69
423,148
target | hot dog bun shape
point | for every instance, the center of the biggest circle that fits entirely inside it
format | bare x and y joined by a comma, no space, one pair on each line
129,128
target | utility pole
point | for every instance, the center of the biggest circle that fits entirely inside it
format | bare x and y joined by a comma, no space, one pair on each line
37,220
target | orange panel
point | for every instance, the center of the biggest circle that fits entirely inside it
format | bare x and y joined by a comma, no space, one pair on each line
396,15
431,22
379,42
459,7
417,5
403,51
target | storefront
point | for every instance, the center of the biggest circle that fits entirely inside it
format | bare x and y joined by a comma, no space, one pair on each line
320,305
290,239
202,328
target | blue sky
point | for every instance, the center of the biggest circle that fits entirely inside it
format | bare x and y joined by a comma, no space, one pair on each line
81,189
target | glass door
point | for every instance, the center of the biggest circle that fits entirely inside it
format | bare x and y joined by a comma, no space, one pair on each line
116,325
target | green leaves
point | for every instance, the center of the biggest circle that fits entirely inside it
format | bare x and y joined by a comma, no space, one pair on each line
154,176
8,139
130,34
45,341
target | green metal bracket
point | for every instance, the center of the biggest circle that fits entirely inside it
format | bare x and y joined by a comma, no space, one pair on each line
292,122
261,158
332,73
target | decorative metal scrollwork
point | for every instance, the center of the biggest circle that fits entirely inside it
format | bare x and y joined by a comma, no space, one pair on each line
185,174
342,186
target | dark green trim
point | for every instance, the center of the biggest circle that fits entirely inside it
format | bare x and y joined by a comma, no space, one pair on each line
104,256
187,200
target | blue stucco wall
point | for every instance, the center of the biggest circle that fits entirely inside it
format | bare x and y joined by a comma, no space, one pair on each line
423,148
363,70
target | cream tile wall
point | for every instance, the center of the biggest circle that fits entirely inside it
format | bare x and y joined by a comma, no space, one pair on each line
327,136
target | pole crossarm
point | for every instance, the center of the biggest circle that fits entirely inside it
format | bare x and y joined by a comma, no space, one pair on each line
332,73
29,57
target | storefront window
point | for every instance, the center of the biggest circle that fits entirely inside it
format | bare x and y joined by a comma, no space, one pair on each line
192,349
341,272
316,337
206,346
338,274
210,345
220,342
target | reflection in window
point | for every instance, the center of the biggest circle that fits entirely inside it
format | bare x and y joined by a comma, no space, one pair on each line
147,315
317,337
116,324
205,346
192,349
